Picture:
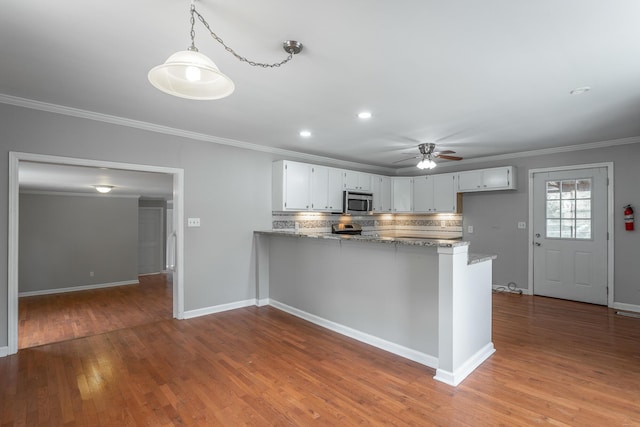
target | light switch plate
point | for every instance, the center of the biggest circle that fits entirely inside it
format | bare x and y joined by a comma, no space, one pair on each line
193,222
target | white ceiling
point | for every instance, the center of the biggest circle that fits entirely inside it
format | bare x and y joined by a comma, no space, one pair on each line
481,78
47,177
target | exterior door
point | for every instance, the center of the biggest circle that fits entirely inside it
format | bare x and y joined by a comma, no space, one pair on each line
570,234
150,240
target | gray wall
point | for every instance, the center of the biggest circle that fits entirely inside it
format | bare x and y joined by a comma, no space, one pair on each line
228,188
64,238
494,216
388,291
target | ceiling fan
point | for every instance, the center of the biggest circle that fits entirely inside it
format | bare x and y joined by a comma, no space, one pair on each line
427,154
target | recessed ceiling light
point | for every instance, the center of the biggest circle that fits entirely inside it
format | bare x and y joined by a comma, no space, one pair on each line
364,115
580,90
305,133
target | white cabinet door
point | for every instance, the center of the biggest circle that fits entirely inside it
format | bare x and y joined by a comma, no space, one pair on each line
291,186
326,189
297,188
385,194
470,181
423,194
381,189
495,178
334,196
319,188
402,194
354,180
444,192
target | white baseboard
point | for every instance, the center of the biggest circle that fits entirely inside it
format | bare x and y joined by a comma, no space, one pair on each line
455,378
407,353
626,307
190,314
263,302
77,288
4,351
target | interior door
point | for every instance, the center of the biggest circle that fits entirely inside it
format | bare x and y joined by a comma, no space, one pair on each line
570,234
150,240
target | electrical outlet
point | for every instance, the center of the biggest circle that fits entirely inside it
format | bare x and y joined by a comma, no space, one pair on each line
193,222
91,274
522,225
470,229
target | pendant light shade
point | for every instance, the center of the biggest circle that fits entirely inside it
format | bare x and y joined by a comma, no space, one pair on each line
192,75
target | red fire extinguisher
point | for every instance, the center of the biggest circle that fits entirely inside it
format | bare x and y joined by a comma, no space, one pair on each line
628,218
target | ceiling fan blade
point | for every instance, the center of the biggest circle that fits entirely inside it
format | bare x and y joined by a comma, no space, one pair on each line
410,158
444,152
448,157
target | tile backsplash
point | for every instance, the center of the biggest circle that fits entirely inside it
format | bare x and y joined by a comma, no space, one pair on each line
447,225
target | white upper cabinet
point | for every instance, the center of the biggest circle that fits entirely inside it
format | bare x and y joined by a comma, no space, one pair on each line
502,178
402,194
306,187
302,187
434,193
381,189
319,188
326,189
354,180
291,186
444,192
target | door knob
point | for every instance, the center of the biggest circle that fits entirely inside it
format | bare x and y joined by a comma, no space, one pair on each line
537,234
538,244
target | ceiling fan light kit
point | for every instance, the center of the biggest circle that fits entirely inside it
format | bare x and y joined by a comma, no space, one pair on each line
190,74
427,156
426,163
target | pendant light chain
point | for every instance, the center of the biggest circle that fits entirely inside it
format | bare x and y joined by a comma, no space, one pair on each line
227,48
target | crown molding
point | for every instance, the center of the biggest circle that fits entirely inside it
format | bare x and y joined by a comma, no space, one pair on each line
152,127
532,153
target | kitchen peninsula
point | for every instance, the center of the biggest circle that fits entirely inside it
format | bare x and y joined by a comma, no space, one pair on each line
424,299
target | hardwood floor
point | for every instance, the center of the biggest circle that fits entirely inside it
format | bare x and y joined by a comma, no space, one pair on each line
45,319
557,362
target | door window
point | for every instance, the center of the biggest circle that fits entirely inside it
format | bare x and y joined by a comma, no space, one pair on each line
568,209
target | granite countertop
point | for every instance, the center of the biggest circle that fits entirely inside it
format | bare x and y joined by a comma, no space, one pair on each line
411,241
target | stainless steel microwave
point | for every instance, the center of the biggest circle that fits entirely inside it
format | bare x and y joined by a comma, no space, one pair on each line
357,203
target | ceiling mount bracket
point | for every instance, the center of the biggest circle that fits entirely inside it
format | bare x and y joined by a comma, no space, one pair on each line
292,47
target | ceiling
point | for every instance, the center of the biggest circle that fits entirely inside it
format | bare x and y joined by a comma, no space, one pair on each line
479,78
47,177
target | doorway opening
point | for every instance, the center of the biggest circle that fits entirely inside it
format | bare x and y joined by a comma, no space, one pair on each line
174,241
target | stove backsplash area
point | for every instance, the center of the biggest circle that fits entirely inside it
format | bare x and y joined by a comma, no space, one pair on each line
427,225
